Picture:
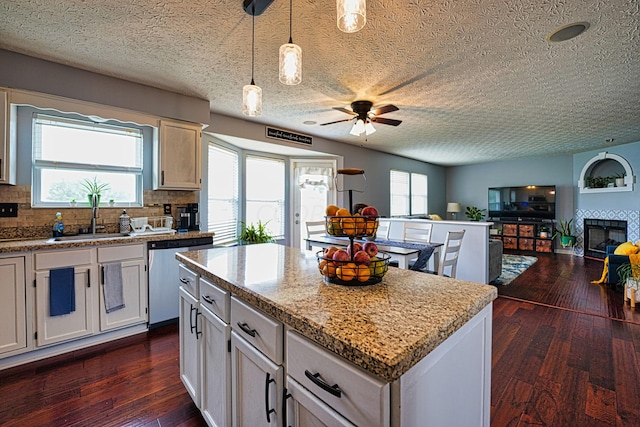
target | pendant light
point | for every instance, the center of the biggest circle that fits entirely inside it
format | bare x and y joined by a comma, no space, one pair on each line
352,15
251,93
290,57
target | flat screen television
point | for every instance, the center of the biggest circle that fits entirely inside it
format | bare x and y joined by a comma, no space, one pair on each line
531,201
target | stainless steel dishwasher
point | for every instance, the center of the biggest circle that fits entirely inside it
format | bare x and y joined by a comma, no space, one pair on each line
163,277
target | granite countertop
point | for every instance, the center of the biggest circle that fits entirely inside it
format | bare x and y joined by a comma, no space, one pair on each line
26,245
384,328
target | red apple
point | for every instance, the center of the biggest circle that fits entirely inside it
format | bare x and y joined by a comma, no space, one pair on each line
356,247
341,255
370,248
361,257
369,211
328,252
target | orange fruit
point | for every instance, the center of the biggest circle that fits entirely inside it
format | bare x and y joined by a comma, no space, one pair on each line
348,225
347,271
331,210
363,273
329,269
343,212
361,224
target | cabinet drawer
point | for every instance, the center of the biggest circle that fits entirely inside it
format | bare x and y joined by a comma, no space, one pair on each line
260,330
525,244
510,242
215,299
188,280
362,398
119,253
510,229
57,259
525,230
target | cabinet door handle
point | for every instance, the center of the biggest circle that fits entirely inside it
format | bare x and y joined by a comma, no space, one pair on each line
185,281
247,329
285,413
198,333
317,380
102,274
162,178
208,299
191,326
268,380
88,277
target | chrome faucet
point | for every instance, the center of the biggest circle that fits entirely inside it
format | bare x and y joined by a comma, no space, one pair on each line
95,214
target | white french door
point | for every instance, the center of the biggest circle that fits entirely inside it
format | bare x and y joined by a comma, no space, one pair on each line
312,191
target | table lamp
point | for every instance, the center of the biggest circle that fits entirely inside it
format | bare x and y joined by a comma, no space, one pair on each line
454,208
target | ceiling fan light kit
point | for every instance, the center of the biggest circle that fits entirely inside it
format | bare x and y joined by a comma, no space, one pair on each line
290,58
363,116
352,15
251,93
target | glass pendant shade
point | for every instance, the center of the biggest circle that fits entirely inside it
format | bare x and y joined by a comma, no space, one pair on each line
290,64
251,100
352,15
357,128
369,129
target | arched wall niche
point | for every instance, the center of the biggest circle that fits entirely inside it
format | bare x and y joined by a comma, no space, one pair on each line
606,161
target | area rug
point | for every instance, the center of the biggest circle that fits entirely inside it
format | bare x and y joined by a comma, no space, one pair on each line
512,267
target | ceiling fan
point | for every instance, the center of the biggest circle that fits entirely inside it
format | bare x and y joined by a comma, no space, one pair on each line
362,116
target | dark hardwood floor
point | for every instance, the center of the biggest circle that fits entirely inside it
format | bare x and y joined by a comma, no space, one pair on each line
565,353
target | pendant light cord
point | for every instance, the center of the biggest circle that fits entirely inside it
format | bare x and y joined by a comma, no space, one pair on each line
290,21
253,39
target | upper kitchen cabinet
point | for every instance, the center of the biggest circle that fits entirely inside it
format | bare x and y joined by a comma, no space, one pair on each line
7,142
177,156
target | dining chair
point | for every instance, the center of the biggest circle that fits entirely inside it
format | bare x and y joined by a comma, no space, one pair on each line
417,232
315,228
450,251
382,233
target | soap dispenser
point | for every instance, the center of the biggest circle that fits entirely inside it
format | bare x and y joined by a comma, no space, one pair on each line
125,222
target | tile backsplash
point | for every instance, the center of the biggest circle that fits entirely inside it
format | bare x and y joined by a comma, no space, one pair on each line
38,222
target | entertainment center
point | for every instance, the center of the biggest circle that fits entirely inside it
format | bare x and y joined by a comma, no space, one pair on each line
523,217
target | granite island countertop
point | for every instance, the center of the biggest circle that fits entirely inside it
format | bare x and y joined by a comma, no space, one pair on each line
384,328
8,246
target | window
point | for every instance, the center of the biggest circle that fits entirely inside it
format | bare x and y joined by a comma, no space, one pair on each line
223,195
66,152
409,195
265,191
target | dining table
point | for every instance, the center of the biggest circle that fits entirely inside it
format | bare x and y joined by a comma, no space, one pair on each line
400,251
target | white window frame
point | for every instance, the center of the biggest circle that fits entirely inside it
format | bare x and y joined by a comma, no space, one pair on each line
278,234
39,164
401,187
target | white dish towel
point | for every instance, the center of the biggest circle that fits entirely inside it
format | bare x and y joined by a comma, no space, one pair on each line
112,287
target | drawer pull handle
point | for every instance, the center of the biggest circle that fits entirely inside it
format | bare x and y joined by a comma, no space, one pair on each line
317,380
185,281
208,299
247,329
268,380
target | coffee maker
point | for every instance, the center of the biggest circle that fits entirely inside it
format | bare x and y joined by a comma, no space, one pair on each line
189,217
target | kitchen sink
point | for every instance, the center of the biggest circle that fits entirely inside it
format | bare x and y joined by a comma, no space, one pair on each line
96,236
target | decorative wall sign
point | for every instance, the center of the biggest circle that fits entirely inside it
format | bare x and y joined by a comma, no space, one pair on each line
285,135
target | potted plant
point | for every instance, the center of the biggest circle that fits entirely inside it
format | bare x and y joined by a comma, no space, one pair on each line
474,213
73,203
620,180
565,231
112,202
628,280
250,234
93,188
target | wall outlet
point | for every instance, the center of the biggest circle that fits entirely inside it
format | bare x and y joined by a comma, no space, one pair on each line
8,210
167,208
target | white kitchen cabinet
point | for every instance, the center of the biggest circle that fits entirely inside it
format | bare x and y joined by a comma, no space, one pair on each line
215,370
13,332
177,155
189,344
7,141
256,386
78,323
134,286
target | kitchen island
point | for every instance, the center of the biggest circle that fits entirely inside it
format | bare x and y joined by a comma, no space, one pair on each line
424,339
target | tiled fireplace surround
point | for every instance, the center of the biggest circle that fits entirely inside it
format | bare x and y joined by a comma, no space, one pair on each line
632,218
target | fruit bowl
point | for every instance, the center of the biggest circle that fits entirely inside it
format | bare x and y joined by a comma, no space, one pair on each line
351,273
351,226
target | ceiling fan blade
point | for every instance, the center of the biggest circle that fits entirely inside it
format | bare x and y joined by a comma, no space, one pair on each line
385,109
385,121
344,110
337,121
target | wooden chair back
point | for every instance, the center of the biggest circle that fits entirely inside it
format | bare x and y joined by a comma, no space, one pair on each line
450,251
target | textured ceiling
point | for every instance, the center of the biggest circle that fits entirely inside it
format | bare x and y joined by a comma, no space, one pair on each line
475,80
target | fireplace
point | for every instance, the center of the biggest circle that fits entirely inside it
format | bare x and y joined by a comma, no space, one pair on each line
600,233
